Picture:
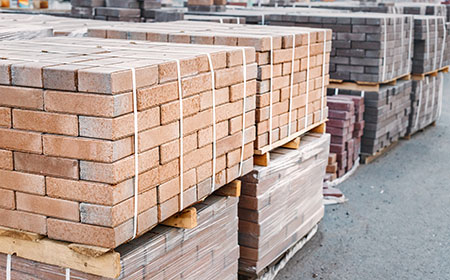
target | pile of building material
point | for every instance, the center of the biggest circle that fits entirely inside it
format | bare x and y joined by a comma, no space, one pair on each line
23,32
218,19
164,252
431,44
206,5
85,8
86,115
386,114
162,14
119,10
281,203
426,102
283,95
346,127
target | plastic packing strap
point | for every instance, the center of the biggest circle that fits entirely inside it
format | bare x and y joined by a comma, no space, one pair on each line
435,42
214,152
244,64
441,90
292,84
323,74
443,41
336,91
426,99
395,35
410,43
136,152
385,48
401,42
271,94
220,20
67,273
307,79
8,267
363,93
419,105
428,38
432,99
262,19
180,99
238,20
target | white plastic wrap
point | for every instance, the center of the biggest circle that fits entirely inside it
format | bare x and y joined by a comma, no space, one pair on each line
22,32
209,251
281,203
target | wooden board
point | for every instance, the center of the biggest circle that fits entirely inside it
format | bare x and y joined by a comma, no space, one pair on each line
98,261
294,144
366,159
262,160
185,219
366,86
434,73
231,189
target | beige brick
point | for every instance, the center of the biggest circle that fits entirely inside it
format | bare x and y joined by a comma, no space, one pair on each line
45,165
7,199
6,160
47,206
23,220
45,122
21,97
22,182
5,117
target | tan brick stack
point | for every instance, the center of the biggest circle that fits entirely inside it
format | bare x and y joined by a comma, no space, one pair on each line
67,133
260,38
164,252
281,203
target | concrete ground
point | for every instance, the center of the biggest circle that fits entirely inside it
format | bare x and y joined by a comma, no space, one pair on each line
396,224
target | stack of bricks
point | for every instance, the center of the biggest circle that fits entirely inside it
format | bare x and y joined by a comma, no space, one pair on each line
431,44
162,14
206,5
23,32
288,79
67,138
346,125
332,168
281,203
423,9
218,19
165,252
386,115
119,10
367,47
426,102
85,8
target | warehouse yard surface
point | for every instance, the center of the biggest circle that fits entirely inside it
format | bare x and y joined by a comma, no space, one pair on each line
395,224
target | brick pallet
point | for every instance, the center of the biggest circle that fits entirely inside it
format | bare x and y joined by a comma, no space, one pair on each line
206,5
281,203
431,44
289,80
345,124
218,19
332,168
426,102
386,115
68,133
119,10
85,8
163,253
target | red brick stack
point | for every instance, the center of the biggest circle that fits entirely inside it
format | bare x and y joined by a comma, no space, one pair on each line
346,126
164,252
287,80
281,203
332,167
67,156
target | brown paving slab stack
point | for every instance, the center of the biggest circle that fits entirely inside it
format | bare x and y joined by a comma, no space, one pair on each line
67,133
85,8
164,252
285,77
281,203
332,168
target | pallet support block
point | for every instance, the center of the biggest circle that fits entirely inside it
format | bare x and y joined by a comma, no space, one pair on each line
262,160
186,219
232,189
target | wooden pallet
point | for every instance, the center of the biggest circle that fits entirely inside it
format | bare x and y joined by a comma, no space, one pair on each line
262,156
434,73
365,86
366,159
408,137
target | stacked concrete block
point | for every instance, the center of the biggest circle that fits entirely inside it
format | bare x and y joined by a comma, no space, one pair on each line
85,8
119,10
346,125
218,19
206,5
426,102
68,133
423,9
291,96
162,14
386,115
281,203
164,252
367,47
431,44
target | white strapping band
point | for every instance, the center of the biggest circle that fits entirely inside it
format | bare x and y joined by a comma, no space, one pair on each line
336,91
292,84
136,152
435,42
419,105
410,44
443,42
244,62
307,78
428,38
8,267
262,19
67,273
393,62
432,100
220,20
363,93
323,74
271,94
180,99
385,48
426,101
401,42
213,86
238,20
441,90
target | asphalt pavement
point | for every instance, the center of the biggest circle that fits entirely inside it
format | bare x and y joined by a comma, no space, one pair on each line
396,223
